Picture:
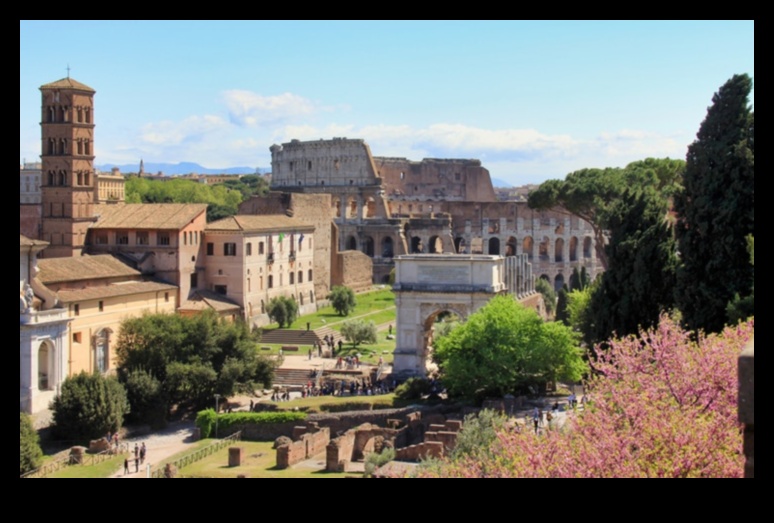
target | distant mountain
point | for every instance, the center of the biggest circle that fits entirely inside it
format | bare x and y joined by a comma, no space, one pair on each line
173,169
499,184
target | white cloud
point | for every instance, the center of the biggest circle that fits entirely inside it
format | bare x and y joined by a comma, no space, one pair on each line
246,108
193,128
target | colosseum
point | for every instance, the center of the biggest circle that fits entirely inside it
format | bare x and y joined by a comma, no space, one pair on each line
385,207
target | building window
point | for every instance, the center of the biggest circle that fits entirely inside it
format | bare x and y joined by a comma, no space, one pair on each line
292,278
77,337
122,238
210,249
76,310
221,289
300,276
310,279
142,238
271,282
101,306
260,247
229,249
249,249
163,238
101,239
166,297
194,280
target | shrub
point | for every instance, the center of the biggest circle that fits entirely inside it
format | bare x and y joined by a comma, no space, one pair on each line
30,455
379,404
282,310
206,419
413,389
343,300
359,331
374,461
89,406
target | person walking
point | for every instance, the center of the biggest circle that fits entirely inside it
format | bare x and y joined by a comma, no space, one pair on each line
126,466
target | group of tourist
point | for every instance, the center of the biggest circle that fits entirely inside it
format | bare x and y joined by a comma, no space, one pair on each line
139,458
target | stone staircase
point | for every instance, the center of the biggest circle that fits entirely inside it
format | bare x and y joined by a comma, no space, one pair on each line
292,378
299,338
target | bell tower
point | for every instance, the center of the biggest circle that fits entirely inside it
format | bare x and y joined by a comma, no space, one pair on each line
67,155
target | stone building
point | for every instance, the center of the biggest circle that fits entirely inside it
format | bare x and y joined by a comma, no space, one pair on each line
384,207
111,187
162,240
67,154
253,259
29,199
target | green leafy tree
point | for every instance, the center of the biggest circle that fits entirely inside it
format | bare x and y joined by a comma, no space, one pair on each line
591,194
579,279
639,283
282,310
146,398
505,347
30,455
343,300
193,358
545,288
359,332
579,315
716,209
562,314
89,406
742,308
478,433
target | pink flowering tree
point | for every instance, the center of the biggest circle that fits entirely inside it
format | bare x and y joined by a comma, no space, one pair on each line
660,405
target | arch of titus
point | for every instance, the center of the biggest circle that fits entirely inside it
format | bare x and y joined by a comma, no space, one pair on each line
428,285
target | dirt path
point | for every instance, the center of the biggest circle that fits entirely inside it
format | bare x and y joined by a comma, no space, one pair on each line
160,446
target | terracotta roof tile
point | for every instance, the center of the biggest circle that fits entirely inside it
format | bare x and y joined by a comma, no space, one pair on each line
27,242
116,289
173,216
68,83
266,223
203,299
57,270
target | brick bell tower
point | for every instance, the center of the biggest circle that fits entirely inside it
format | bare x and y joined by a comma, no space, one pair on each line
67,155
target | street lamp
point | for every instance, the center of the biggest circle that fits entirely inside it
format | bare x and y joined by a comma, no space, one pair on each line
217,415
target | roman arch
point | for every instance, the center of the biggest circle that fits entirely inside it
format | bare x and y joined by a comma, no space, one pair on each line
429,285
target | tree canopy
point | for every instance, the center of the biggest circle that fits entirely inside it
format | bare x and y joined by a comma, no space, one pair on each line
505,347
30,455
282,310
639,283
89,406
343,300
193,358
358,332
660,404
591,194
716,209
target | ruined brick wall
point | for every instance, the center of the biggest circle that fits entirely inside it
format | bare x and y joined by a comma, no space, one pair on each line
29,220
747,406
339,452
432,449
435,179
354,270
324,163
314,209
308,445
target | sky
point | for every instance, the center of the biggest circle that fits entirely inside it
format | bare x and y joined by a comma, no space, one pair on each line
533,100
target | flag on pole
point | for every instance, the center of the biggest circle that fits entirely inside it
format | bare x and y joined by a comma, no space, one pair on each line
301,239
281,237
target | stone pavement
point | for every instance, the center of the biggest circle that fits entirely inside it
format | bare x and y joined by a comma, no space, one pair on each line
177,437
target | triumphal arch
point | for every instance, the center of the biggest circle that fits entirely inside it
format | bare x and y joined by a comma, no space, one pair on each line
428,285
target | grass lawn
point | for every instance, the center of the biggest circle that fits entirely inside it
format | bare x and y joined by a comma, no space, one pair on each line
372,305
313,404
102,470
258,461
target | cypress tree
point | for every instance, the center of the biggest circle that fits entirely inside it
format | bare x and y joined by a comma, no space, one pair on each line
716,209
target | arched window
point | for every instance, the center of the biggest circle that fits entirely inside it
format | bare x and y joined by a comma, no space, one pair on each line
45,357
300,276
292,277
310,279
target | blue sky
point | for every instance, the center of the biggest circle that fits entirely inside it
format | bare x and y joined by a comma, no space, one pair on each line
532,100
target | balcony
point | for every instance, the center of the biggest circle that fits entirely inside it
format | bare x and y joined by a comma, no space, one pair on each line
292,256
270,258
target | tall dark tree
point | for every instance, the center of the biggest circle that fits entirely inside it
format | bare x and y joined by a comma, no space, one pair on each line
562,313
716,209
639,284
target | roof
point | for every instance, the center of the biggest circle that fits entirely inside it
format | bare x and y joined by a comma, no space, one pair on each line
265,223
203,299
99,292
68,83
56,270
27,242
147,215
